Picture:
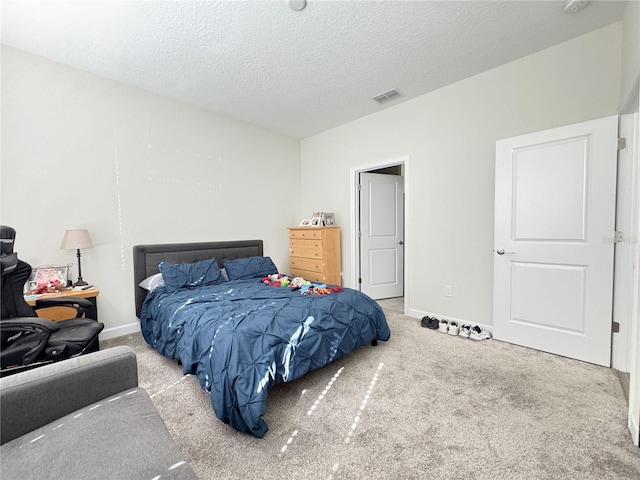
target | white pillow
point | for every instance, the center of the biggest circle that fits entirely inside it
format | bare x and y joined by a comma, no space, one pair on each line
152,282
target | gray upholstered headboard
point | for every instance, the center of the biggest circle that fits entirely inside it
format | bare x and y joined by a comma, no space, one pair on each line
147,257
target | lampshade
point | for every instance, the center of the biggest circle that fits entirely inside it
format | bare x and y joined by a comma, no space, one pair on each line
76,240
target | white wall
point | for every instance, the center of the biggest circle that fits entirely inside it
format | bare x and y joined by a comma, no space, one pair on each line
82,151
79,150
449,136
630,67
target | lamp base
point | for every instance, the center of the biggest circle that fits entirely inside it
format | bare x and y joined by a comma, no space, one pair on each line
80,283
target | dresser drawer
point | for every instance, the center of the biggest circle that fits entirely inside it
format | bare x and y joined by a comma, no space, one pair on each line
306,232
308,264
305,248
311,276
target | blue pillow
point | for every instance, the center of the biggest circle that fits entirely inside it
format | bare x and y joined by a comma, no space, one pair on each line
185,275
249,267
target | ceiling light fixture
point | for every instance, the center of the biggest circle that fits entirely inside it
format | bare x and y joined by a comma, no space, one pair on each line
297,5
573,6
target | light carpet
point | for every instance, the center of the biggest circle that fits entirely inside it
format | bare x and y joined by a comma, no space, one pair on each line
424,405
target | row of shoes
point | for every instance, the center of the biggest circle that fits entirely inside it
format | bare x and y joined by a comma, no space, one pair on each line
451,327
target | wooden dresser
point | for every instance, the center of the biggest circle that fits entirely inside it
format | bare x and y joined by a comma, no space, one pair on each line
315,254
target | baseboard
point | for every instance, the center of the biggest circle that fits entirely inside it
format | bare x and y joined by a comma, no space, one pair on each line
624,379
113,332
419,314
634,426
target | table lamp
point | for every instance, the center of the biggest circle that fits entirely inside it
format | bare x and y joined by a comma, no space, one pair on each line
75,240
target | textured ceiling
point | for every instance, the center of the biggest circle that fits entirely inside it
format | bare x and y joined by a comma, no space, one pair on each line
294,72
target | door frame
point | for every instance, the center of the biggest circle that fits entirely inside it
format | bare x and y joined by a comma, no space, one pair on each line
631,104
355,219
623,259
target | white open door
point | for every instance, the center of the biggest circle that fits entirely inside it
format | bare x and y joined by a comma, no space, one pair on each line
381,235
554,239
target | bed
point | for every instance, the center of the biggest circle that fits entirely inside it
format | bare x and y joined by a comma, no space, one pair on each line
240,336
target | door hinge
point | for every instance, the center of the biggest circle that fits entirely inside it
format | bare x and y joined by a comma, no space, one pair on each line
618,237
359,233
359,280
622,143
615,327
359,187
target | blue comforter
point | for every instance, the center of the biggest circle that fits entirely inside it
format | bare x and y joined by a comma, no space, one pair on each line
242,337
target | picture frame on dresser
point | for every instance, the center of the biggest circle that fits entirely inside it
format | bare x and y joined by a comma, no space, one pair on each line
320,219
328,219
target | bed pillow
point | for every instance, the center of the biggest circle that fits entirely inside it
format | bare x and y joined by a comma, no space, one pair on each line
249,267
185,275
152,282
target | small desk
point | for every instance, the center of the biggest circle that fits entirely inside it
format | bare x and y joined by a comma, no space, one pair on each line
63,313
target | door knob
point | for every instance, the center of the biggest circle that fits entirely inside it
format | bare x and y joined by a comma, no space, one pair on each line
400,242
502,252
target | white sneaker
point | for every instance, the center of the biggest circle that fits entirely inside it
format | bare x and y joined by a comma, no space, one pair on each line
477,333
465,330
443,326
453,328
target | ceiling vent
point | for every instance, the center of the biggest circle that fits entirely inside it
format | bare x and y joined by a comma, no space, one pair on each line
387,96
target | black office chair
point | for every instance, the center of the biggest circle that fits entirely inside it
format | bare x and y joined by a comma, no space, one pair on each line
26,340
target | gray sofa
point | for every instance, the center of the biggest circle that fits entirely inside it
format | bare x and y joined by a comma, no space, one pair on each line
85,418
